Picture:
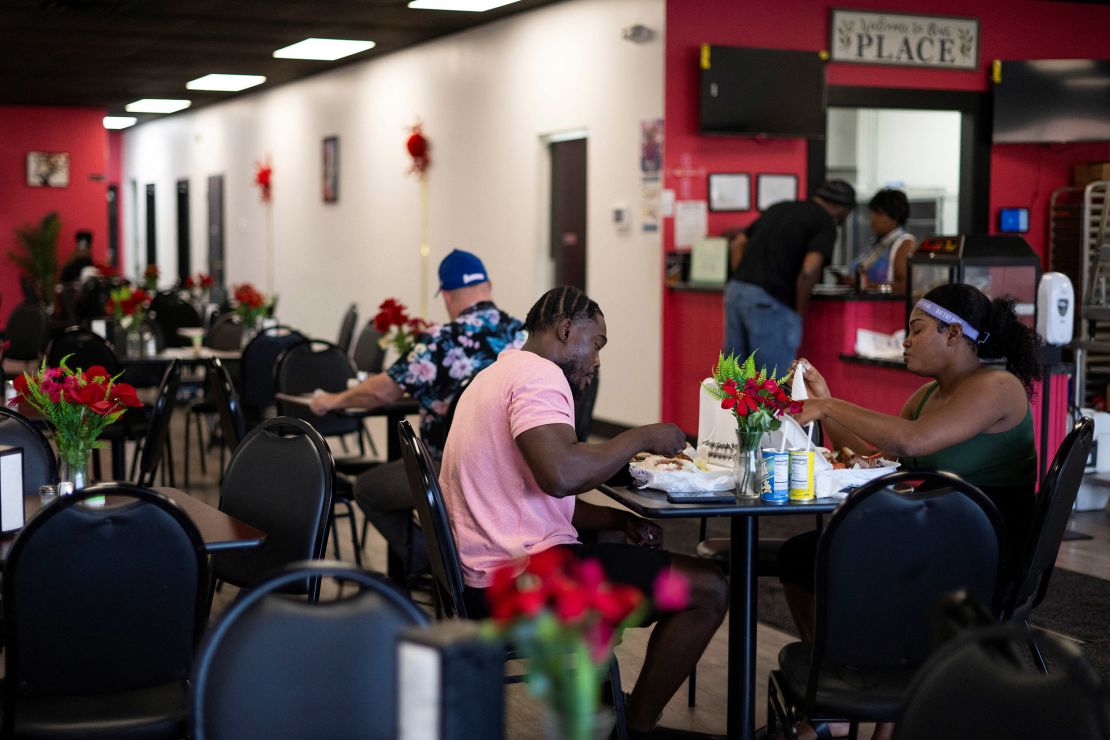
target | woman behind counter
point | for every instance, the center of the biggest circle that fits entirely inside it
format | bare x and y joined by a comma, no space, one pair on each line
885,263
970,419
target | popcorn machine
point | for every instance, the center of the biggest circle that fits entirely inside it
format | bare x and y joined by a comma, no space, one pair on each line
997,265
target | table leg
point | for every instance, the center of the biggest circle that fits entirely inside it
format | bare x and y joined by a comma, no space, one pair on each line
119,457
741,628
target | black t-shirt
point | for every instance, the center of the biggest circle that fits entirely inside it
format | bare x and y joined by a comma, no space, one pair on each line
778,243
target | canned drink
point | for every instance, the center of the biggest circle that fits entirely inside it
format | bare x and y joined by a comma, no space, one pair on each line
801,475
775,475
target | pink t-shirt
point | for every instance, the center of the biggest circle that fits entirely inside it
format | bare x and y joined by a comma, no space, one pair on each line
497,510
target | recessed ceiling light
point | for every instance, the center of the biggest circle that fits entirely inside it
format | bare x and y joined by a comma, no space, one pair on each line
157,105
116,122
225,83
323,49
472,6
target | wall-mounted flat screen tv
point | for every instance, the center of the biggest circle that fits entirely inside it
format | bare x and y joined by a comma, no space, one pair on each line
769,92
1051,100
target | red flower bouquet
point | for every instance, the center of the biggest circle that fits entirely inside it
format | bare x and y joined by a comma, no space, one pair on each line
80,404
250,304
128,305
397,328
564,617
150,277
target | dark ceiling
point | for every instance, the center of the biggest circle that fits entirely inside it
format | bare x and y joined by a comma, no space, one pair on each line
106,53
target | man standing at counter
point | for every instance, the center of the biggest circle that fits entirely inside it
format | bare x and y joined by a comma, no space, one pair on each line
775,264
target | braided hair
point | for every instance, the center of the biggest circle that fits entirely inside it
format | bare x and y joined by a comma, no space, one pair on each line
1002,334
557,304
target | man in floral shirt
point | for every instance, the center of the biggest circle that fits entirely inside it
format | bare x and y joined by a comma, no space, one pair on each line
442,359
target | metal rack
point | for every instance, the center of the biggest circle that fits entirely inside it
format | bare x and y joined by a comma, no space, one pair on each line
1079,247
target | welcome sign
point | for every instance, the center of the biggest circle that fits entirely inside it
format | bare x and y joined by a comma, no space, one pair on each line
913,40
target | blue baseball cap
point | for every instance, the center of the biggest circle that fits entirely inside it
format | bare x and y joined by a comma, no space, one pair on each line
461,270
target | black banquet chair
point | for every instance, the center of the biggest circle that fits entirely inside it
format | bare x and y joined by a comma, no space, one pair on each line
171,313
103,610
1055,499
368,354
40,464
347,328
883,562
156,448
280,669
443,553
279,480
977,687
27,330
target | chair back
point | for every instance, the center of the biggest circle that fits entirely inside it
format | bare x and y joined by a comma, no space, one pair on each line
279,480
443,552
171,313
1055,499
283,669
225,333
347,328
976,687
101,600
369,355
159,428
312,364
223,395
885,558
258,362
40,465
88,349
92,299
27,329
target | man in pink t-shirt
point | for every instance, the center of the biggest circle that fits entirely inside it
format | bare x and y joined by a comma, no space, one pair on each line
511,470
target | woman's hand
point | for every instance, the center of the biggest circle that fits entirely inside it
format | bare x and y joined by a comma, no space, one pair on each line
812,409
815,382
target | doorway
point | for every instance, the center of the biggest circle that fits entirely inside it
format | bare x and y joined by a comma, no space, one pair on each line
216,236
184,257
113,225
151,227
568,211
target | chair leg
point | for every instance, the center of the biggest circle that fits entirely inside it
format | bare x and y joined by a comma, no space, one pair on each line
1035,649
692,689
200,445
135,459
97,475
618,698
188,421
335,537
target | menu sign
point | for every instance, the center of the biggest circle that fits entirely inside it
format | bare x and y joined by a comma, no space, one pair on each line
896,38
936,245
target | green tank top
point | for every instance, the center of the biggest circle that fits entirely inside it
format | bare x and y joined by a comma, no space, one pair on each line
1007,458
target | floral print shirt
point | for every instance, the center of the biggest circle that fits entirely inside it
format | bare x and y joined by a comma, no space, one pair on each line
448,354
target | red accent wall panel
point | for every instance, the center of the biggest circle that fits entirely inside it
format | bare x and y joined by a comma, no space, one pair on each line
81,205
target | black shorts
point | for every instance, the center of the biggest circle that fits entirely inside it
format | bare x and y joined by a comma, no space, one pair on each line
631,565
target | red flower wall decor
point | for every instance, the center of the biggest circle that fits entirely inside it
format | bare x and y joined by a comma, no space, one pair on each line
418,147
262,174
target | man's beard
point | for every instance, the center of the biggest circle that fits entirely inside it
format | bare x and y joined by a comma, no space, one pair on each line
569,369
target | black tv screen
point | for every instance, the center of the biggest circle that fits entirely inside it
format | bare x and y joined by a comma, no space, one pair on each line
770,92
1051,100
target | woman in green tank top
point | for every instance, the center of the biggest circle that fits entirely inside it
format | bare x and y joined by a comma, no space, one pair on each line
970,419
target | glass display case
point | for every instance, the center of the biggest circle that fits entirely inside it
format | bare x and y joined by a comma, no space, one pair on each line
997,265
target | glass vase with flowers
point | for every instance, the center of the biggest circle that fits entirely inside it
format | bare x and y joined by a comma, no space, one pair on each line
398,330
80,405
150,278
563,616
251,305
757,400
128,306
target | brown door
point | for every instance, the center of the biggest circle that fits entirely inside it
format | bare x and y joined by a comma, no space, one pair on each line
568,212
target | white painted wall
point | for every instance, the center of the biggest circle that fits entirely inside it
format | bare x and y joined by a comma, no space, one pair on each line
487,99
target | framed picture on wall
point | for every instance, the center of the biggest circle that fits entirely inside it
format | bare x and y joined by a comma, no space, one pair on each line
48,169
330,169
775,189
730,191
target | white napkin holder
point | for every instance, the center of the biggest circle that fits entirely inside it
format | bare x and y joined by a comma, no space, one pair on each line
11,488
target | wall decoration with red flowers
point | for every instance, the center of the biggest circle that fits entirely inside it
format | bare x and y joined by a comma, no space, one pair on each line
262,174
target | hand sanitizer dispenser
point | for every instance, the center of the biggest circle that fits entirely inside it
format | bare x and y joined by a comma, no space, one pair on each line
1055,308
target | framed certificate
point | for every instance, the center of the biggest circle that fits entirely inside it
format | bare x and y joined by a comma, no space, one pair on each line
730,191
709,261
775,189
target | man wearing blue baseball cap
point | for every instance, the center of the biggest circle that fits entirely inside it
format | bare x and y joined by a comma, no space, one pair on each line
443,358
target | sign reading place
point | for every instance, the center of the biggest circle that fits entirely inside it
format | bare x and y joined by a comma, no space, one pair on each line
895,38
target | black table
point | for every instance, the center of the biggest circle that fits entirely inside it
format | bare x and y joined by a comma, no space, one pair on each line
394,413
743,602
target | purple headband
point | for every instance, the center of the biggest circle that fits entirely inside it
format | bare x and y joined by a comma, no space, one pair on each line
948,317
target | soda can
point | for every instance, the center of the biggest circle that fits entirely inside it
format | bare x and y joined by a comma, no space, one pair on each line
801,475
775,475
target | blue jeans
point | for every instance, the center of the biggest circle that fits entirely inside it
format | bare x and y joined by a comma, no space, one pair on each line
754,320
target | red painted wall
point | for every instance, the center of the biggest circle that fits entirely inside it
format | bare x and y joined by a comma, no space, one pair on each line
1022,175
81,205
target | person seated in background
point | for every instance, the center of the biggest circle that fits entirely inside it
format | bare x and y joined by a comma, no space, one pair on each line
512,470
885,262
970,419
79,259
444,357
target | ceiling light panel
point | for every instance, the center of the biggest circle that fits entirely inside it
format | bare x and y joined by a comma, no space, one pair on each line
157,105
323,49
118,122
225,83
471,6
